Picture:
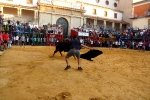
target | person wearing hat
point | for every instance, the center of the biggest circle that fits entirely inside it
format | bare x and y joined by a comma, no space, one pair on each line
75,50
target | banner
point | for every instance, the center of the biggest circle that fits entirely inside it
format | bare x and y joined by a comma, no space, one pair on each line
46,1
83,34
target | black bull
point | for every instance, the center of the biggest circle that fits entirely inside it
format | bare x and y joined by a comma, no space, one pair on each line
65,46
62,46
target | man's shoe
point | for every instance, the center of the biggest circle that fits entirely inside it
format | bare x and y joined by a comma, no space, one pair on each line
68,67
79,68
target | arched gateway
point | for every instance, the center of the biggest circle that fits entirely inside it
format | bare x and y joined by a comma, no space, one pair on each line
62,21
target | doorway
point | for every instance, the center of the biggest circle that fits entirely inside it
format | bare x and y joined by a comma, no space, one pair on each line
64,23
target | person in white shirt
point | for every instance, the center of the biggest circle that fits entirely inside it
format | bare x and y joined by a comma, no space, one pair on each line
119,43
141,33
116,44
140,45
133,44
81,41
31,26
27,40
17,40
92,43
23,39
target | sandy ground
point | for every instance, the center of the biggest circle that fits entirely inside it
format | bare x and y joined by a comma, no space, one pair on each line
31,73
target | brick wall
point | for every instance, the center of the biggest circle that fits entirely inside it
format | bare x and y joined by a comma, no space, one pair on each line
141,9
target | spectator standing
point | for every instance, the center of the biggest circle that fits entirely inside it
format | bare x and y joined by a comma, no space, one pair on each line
38,40
17,40
1,42
20,41
123,44
149,45
144,45
140,45
23,40
10,41
1,21
81,41
6,38
27,40
133,45
91,43
44,40
35,40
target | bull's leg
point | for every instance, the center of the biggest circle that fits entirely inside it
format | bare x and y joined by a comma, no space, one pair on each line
55,52
60,53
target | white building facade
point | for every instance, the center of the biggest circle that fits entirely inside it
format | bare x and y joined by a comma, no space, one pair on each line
70,13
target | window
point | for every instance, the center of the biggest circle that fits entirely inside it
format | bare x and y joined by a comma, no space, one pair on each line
94,11
115,15
115,4
105,13
97,1
107,2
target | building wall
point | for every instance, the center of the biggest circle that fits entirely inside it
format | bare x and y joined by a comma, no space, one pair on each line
140,23
134,1
101,3
45,18
50,13
20,2
100,12
76,22
126,7
73,21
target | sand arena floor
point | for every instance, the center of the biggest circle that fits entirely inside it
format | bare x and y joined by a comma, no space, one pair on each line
31,73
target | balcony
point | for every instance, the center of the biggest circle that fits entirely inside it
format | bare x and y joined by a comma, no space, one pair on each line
147,14
133,16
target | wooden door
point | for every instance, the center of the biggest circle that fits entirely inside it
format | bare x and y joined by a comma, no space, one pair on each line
62,21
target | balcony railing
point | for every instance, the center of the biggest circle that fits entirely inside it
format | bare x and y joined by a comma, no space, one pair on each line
133,16
147,14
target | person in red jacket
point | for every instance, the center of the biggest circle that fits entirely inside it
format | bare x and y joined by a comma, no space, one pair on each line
144,45
1,41
6,38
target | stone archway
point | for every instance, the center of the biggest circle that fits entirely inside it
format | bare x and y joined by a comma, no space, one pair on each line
62,21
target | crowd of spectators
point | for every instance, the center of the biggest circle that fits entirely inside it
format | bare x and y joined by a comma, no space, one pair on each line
133,39
27,28
17,33
21,34
28,34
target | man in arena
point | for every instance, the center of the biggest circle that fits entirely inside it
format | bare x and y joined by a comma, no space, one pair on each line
75,50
